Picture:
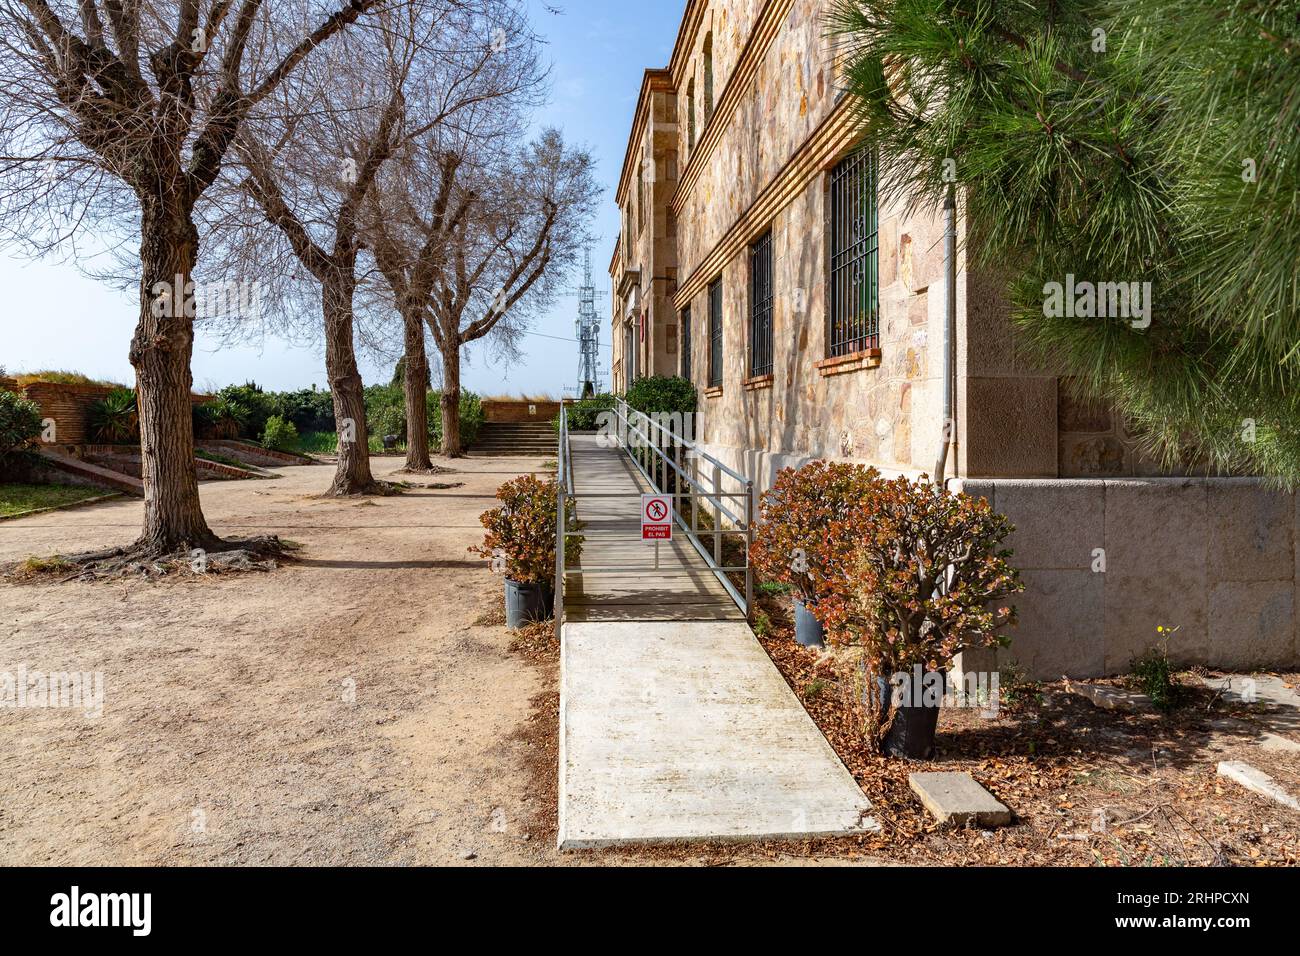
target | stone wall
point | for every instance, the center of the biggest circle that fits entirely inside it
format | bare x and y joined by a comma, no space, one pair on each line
1107,561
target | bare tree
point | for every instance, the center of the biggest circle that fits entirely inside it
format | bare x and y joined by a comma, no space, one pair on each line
311,171
500,237
130,106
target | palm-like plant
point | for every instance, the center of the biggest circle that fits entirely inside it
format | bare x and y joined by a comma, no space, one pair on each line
113,418
1118,141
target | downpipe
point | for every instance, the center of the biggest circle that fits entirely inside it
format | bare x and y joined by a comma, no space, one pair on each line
949,332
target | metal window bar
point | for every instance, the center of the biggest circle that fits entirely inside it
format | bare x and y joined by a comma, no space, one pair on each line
760,306
853,321
655,464
686,343
715,333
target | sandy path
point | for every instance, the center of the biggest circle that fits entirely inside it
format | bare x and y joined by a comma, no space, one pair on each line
227,737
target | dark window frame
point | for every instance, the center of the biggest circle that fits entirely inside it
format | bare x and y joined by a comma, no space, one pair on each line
715,334
760,306
853,256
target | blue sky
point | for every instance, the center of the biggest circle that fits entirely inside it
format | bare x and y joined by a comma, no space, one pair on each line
598,50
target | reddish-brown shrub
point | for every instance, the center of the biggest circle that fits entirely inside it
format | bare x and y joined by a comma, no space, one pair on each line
792,540
921,579
521,531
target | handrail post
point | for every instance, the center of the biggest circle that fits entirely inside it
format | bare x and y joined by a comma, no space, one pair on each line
717,514
561,526
749,544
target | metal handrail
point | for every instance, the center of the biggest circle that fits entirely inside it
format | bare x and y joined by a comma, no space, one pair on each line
631,421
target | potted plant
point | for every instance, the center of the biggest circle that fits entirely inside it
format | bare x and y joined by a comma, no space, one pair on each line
520,543
791,544
918,583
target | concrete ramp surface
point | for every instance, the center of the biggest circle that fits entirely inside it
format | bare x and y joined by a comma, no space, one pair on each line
685,730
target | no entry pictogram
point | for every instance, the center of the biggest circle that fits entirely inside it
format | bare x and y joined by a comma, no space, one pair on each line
656,518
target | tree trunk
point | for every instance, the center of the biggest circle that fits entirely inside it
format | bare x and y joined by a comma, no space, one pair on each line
416,386
451,447
160,352
352,473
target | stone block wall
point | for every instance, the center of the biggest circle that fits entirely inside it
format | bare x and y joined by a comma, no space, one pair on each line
1105,562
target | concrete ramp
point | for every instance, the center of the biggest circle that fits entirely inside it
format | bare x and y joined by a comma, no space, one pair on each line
685,730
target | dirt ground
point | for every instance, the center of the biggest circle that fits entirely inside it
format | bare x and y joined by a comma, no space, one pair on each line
343,709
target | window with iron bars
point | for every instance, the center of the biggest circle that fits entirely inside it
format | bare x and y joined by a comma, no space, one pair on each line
760,306
853,319
715,333
686,343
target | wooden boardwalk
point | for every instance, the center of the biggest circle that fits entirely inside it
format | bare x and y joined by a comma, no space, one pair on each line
682,589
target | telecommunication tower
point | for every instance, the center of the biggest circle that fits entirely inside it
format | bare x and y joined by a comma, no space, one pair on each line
587,329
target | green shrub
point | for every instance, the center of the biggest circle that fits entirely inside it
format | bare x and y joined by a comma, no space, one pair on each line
318,443
309,409
113,418
1153,674
472,417
662,393
279,434
386,411
584,416
20,425
247,404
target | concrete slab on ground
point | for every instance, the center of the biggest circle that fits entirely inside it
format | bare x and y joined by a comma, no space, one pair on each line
956,798
1257,781
685,730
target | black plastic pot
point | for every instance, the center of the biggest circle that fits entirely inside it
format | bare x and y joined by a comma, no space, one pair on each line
808,631
912,733
526,603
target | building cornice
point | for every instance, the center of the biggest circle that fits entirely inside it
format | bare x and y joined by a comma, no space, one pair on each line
765,30
654,81
827,144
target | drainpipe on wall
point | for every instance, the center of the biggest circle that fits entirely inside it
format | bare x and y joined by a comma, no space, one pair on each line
949,330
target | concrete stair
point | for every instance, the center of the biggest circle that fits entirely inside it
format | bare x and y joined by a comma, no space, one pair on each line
524,439
86,473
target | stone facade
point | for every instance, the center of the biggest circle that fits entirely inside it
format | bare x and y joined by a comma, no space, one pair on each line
738,138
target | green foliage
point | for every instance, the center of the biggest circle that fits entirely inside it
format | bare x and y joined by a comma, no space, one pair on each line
318,443
248,405
584,416
279,434
520,532
1153,673
113,418
662,393
16,499
792,545
386,411
20,424
309,409
1169,156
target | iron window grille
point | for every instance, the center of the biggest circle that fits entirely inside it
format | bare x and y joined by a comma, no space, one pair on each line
715,333
853,321
760,306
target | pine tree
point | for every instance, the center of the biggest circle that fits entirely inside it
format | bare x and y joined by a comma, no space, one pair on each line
1143,141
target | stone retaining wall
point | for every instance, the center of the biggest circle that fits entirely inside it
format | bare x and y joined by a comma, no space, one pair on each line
1107,561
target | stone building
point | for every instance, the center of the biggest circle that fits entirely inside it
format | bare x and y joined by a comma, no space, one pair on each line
755,259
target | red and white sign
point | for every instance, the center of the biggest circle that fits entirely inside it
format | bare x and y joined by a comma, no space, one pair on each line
656,518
